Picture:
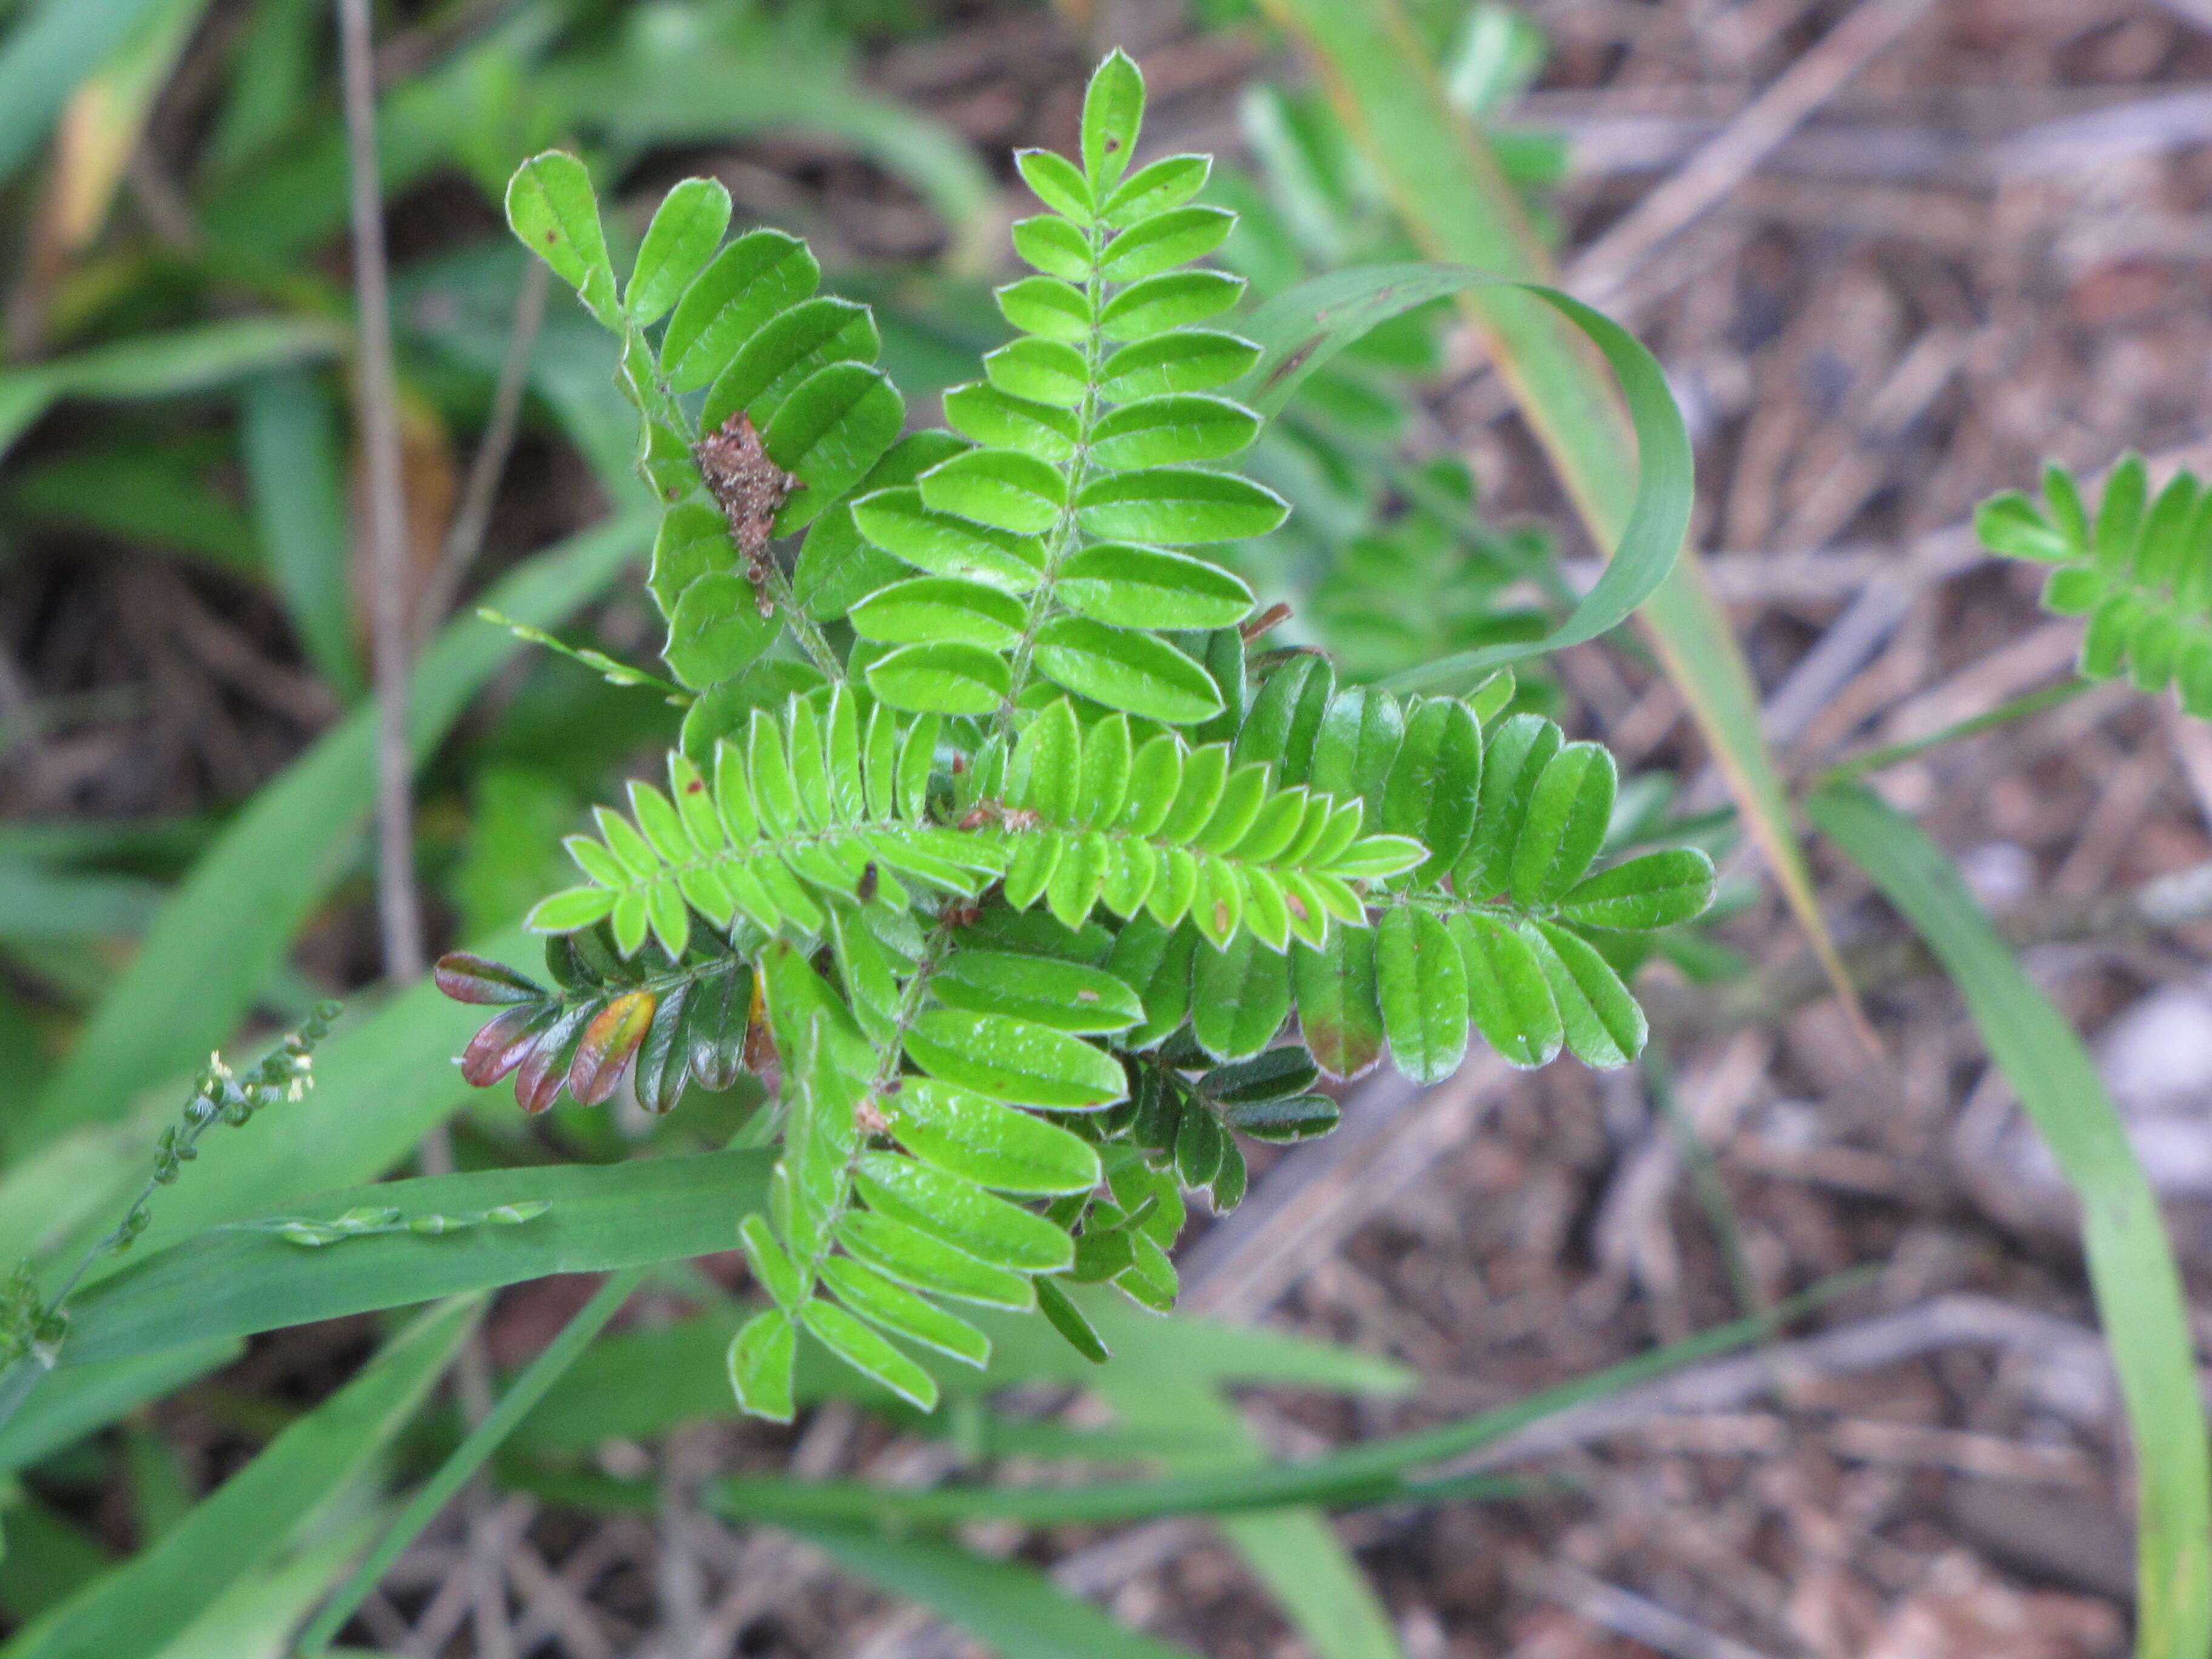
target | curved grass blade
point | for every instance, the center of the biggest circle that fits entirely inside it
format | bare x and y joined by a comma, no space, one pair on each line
1304,326
1460,206
2131,1265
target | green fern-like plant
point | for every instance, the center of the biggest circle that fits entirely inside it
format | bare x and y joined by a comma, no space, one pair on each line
2140,570
987,833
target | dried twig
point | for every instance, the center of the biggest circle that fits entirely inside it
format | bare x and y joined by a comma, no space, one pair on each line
379,413
1731,157
464,539
398,915
1624,1614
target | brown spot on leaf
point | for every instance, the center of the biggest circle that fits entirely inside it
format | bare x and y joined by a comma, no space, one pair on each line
1291,364
1220,915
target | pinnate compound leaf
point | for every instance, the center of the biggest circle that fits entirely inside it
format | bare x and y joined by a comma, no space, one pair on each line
686,229
1178,506
762,274
962,1213
835,426
871,1355
1126,670
1566,824
555,213
995,1146
1656,889
941,678
1126,586
1014,1060
761,1360
1067,996
1112,109
1602,1026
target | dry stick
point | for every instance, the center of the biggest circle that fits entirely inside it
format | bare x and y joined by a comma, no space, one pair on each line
379,416
399,919
465,540
1735,153
1626,1613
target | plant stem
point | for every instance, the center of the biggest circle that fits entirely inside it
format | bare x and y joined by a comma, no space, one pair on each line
379,399
1874,760
804,628
1061,539
465,539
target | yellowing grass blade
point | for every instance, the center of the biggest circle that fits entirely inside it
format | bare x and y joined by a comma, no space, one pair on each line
1458,206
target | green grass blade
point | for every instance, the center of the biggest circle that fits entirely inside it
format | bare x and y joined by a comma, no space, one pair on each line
453,1474
1293,1552
642,1383
288,435
96,1395
1301,329
1015,1609
233,1281
1369,1473
141,1606
1460,207
214,942
2131,1265
159,365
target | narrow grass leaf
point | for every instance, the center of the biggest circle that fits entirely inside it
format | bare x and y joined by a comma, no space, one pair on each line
2131,1265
